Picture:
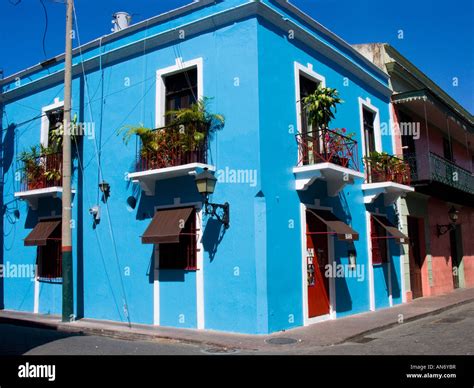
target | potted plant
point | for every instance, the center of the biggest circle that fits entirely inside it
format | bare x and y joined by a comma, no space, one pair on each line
337,142
37,171
32,170
319,107
194,124
399,170
179,142
385,167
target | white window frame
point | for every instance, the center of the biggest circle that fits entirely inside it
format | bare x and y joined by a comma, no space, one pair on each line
199,265
37,283
366,104
307,72
44,134
161,74
369,215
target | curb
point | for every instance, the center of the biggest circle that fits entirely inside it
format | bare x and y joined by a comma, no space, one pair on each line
117,334
140,336
411,319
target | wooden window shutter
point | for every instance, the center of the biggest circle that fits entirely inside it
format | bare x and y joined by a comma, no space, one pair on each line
377,256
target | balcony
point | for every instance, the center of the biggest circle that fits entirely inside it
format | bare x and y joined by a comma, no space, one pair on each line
429,168
326,155
387,175
41,177
172,155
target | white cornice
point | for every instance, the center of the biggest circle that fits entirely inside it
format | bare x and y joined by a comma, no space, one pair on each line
225,17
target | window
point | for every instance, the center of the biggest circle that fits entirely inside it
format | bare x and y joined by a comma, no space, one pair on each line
181,255
369,134
311,140
408,140
307,87
49,259
55,121
378,237
447,149
181,91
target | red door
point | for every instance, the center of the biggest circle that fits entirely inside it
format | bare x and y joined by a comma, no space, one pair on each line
416,249
316,261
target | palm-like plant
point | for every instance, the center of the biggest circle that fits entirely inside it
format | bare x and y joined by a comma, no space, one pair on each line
55,139
150,140
196,120
35,167
319,106
387,167
31,169
186,132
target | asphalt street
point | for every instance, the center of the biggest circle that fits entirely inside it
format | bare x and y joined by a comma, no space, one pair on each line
448,333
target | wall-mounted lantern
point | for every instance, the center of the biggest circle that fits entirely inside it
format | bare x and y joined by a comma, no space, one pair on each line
352,259
132,202
105,188
206,183
453,218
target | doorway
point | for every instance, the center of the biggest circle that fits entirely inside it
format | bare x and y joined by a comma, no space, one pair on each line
317,253
456,255
416,254
310,136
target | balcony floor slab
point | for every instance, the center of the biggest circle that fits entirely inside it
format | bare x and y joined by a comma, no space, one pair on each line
336,176
147,179
391,191
33,196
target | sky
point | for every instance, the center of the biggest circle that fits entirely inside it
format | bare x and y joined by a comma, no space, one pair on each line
436,35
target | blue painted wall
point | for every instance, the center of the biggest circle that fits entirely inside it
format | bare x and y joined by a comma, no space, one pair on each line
279,152
252,272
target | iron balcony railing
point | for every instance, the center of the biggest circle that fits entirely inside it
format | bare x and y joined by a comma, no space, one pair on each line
388,168
173,146
327,146
42,172
433,167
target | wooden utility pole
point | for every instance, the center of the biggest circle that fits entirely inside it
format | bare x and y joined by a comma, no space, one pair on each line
66,238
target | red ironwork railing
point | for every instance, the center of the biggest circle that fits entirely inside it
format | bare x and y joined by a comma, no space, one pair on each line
388,168
173,146
327,146
42,172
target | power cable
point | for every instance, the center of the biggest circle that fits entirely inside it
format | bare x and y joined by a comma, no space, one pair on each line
45,27
111,232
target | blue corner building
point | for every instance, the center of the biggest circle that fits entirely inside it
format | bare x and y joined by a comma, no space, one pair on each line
313,232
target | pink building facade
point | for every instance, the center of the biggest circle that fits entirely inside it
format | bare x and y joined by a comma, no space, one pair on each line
436,136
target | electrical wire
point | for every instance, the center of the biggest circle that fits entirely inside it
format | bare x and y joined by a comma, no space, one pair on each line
45,27
110,227
99,244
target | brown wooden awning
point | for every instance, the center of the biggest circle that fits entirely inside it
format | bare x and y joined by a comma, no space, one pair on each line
391,229
166,226
42,232
335,225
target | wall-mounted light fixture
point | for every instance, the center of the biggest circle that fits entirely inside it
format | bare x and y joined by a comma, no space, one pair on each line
206,183
453,214
105,188
132,202
15,212
94,211
352,259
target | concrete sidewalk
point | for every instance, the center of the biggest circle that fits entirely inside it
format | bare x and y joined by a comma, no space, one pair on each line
317,335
